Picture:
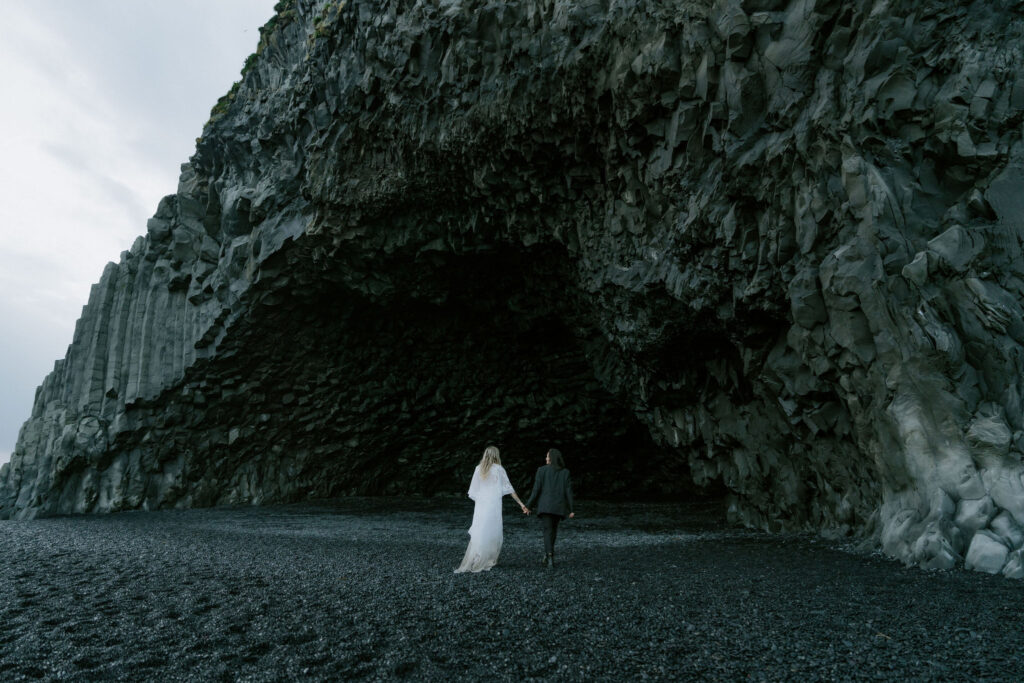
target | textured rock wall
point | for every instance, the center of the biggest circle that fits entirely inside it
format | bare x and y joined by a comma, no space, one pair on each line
770,247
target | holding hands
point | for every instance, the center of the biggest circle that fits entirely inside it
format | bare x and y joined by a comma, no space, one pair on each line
522,506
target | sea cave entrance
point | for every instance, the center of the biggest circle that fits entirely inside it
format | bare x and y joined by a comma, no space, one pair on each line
391,378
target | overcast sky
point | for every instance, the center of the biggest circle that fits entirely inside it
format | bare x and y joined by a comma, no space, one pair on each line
100,103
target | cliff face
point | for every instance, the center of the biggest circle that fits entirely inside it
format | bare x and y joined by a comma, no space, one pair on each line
765,247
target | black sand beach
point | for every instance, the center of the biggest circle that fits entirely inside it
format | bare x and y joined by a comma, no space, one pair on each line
364,588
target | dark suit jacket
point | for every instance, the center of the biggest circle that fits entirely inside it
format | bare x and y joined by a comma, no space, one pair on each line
554,490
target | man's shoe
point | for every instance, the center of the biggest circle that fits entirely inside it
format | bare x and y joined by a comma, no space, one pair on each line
549,561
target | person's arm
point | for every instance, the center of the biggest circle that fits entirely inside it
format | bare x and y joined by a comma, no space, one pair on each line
506,487
534,493
568,493
474,484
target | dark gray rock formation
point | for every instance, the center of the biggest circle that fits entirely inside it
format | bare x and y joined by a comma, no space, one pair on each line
767,246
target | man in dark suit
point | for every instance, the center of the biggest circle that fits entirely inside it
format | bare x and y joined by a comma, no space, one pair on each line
552,490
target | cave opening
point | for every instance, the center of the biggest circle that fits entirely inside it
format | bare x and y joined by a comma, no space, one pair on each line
391,377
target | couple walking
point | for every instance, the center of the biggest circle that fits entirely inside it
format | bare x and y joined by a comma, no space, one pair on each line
552,490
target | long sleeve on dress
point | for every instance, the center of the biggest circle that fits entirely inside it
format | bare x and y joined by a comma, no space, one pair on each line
506,485
475,483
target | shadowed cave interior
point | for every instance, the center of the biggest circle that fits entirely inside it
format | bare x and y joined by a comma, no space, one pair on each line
325,391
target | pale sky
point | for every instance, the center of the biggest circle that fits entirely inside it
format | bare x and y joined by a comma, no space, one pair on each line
100,103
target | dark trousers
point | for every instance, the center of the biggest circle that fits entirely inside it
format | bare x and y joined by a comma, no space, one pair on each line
549,524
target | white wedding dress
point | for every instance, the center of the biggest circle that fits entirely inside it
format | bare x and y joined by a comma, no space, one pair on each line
485,534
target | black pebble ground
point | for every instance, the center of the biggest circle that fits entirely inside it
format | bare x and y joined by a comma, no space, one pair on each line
365,589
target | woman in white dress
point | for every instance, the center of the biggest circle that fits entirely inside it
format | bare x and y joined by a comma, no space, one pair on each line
489,484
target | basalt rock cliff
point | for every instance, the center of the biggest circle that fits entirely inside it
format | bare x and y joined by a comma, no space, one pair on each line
762,248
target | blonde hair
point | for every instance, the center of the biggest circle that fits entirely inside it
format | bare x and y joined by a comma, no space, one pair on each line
491,457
